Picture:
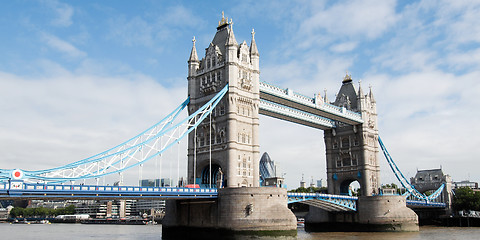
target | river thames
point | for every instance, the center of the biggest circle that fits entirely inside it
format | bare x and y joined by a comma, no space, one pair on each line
83,231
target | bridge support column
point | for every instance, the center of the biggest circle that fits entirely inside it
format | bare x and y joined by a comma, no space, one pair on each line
250,211
387,213
374,214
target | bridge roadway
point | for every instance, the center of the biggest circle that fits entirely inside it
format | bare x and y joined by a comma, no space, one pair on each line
20,190
288,105
53,191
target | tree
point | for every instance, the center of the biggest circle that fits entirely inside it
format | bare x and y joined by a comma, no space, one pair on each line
70,209
310,190
16,212
466,199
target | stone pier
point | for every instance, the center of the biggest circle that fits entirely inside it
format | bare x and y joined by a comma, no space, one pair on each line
236,211
374,214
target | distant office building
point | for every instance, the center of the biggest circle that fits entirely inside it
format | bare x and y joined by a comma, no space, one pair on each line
164,182
321,183
105,208
4,212
51,204
465,183
150,183
267,167
268,173
146,206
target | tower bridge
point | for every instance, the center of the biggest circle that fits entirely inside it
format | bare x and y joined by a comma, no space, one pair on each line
225,99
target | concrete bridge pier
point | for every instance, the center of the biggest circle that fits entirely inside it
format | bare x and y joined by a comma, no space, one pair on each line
236,211
374,214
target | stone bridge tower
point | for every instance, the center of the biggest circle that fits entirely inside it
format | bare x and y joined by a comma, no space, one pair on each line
234,126
241,205
352,151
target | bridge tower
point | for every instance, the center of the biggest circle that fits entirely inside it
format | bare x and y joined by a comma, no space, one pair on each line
234,126
351,151
229,147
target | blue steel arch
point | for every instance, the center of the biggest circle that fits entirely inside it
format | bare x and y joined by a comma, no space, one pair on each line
114,158
206,175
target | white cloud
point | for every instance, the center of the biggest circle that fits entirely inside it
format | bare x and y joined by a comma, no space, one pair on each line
344,47
427,120
353,18
64,117
62,45
132,32
63,12
460,18
150,29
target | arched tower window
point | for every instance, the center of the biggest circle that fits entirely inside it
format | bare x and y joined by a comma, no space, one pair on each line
222,110
345,142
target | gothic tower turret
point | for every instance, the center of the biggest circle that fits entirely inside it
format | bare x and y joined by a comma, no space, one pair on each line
193,65
234,131
352,151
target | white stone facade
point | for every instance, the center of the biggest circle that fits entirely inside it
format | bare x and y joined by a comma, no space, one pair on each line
234,147
352,151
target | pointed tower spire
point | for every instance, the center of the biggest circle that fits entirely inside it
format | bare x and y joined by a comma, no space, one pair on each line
231,41
253,45
325,98
193,54
360,90
370,95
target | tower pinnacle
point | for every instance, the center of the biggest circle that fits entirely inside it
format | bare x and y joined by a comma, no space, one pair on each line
360,90
347,78
253,45
193,54
223,21
231,41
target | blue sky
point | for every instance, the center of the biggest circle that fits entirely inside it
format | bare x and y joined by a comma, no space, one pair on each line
77,77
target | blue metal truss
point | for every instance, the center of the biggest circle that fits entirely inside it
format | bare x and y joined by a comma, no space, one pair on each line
134,152
20,190
326,201
411,191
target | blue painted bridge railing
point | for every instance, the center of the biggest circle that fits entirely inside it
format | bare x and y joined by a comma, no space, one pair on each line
425,204
337,203
328,202
20,190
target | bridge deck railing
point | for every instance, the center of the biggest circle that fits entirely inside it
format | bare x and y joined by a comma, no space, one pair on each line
291,112
308,101
52,190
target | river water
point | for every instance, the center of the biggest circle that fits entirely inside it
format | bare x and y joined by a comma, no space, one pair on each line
84,231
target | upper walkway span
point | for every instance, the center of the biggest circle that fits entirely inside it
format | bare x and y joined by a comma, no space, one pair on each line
288,105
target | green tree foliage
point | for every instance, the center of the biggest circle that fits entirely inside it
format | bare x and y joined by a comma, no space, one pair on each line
70,210
391,185
16,212
396,187
466,199
310,190
41,211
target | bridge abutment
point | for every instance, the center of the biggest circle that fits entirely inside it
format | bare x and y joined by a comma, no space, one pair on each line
387,213
250,211
374,214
